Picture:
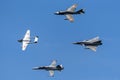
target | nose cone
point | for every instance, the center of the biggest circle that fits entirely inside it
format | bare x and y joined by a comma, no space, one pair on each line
20,40
35,68
78,43
56,13
75,43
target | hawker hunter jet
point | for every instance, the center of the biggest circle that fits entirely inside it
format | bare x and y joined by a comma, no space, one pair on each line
51,68
27,40
90,44
69,12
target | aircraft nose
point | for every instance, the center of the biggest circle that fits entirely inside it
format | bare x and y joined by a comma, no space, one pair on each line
20,40
35,68
56,13
78,43
74,43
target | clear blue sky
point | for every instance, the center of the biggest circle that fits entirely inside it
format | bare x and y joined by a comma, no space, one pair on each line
56,35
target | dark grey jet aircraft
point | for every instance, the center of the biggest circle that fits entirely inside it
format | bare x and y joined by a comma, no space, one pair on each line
69,12
90,44
51,68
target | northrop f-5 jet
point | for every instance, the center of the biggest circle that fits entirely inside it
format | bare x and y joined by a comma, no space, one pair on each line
69,12
27,40
51,68
90,44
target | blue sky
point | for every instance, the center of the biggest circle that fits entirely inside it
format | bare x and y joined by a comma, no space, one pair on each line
55,39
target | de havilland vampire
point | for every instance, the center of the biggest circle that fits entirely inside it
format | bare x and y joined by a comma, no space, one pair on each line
90,44
27,40
51,68
69,12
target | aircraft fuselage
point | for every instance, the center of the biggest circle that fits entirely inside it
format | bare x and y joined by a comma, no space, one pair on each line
21,40
65,12
48,68
89,43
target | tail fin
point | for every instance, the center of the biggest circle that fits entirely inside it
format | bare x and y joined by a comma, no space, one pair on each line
81,11
36,39
61,66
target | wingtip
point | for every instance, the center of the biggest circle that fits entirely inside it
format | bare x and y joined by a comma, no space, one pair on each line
74,43
23,49
71,20
28,29
54,60
97,37
76,4
94,50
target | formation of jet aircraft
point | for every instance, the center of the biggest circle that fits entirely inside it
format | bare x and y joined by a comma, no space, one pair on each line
51,68
90,44
69,12
27,40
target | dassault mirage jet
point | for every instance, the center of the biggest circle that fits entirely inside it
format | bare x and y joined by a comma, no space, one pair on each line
27,40
51,68
69,12
90,44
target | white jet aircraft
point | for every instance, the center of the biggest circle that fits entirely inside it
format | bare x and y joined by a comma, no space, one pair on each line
27,40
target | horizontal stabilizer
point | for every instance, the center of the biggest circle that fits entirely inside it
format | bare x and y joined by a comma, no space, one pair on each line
36,39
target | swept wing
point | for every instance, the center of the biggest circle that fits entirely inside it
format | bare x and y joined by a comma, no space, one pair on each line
69,17
92,48
53,64
93,40
51,72
72,8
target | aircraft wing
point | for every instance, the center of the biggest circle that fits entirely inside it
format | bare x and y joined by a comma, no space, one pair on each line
26,40
92,48
51,73
72,8
24,45
93,40
53,64
70,17
27,36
